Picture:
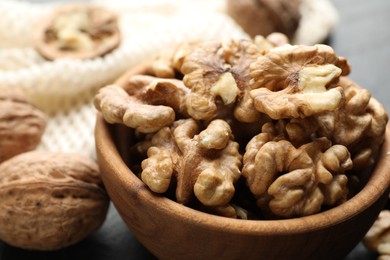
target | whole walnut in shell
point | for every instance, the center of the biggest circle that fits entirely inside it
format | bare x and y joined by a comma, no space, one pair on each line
50,200
21,124
266,16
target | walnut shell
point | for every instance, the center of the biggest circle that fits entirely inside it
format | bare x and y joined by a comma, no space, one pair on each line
262,17
21,124
50,200
77,31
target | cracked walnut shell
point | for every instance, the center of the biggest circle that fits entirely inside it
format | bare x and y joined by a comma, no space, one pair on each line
78,32
50,200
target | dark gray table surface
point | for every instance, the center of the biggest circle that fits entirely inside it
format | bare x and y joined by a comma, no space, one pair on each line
362,36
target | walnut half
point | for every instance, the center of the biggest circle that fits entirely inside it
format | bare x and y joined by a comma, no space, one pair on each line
218,75
77,31
297,81
289,181
203,163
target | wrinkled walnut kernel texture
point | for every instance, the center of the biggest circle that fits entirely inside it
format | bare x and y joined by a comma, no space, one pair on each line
143,104
359,124
289,181
377,238
205,163
218,75
50,200
296,81
285,118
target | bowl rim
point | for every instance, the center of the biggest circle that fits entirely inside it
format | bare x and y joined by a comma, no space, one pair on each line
377,185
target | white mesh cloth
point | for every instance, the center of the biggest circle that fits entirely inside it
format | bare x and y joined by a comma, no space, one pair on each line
64,88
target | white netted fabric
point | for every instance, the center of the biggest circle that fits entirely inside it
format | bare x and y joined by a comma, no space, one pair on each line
64,88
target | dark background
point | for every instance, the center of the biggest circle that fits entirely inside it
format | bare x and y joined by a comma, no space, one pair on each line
362,36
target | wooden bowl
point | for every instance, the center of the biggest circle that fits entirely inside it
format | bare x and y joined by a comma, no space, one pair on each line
173,231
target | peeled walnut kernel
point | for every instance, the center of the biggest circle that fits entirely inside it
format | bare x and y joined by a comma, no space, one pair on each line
144,104
273,40
226,88
50,200
163,156
312,82
169,62
359,124
204,163
377,238
297,81
290,181
220,70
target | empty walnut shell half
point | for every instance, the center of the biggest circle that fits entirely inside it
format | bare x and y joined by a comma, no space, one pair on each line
78,32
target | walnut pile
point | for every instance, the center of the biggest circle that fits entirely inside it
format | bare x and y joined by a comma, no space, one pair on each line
249,128
80,31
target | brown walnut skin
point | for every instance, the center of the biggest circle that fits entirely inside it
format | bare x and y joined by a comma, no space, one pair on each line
21,124
50,200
